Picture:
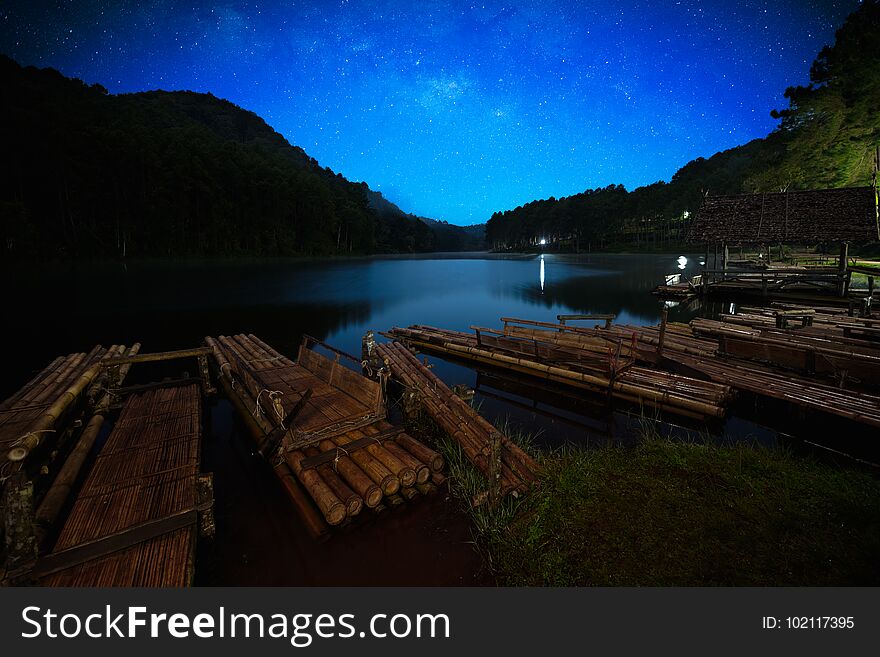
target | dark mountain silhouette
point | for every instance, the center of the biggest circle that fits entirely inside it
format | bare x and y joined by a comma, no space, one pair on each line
90,174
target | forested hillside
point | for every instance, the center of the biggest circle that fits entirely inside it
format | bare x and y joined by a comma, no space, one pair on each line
826,138
89,174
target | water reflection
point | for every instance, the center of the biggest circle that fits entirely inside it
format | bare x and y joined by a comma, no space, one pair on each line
542,274
174,305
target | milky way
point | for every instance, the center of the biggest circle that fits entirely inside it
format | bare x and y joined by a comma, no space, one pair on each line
457,109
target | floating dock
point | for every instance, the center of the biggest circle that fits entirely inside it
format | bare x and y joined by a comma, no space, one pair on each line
323,429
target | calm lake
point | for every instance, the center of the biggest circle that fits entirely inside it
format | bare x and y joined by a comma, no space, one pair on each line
65,308
58,309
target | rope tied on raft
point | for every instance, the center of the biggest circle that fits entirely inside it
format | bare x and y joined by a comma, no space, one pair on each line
229,365
275,397
22,446
305,438
336,458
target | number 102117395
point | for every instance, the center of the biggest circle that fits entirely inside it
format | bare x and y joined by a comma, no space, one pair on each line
808,623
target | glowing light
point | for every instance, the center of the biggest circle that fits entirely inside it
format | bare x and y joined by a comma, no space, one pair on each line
682,262
542,242
542,274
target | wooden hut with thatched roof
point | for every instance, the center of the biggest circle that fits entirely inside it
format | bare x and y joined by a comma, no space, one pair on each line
821,216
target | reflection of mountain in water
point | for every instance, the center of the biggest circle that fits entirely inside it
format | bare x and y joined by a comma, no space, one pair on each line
168,307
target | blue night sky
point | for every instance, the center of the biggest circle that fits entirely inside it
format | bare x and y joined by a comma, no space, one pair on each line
455,110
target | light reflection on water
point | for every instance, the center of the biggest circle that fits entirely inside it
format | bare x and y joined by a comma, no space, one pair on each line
542,274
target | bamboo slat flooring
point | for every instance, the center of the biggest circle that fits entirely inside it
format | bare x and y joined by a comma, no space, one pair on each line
146,471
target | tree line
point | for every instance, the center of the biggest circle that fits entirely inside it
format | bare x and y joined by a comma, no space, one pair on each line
169,174
826,138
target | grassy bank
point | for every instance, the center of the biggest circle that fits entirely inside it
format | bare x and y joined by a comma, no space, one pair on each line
673,514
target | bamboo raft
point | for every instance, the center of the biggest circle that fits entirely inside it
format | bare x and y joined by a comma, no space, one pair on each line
134,522
780,352
587,359
33,413
506,466
323,429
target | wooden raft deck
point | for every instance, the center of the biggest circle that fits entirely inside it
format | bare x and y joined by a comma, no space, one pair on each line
134,522
322,427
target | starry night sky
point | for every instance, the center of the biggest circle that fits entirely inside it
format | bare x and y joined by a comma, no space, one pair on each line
457,109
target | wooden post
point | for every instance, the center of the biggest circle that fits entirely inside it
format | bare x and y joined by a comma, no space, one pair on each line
205,373
724,256
369,357
21,541
494,468
841,269
663,316
205,498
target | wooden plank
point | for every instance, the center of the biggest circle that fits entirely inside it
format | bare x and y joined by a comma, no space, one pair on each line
158,356
79,554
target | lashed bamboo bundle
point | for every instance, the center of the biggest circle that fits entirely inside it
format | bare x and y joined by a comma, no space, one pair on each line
690,397
817,348
35,410
145,473
358,472
806,392
63,484
473,433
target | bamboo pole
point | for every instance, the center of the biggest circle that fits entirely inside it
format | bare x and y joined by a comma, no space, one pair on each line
660,398
375,469
353,475
353,502
422,471
404,473
57,495
330,505
423,453
47,420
